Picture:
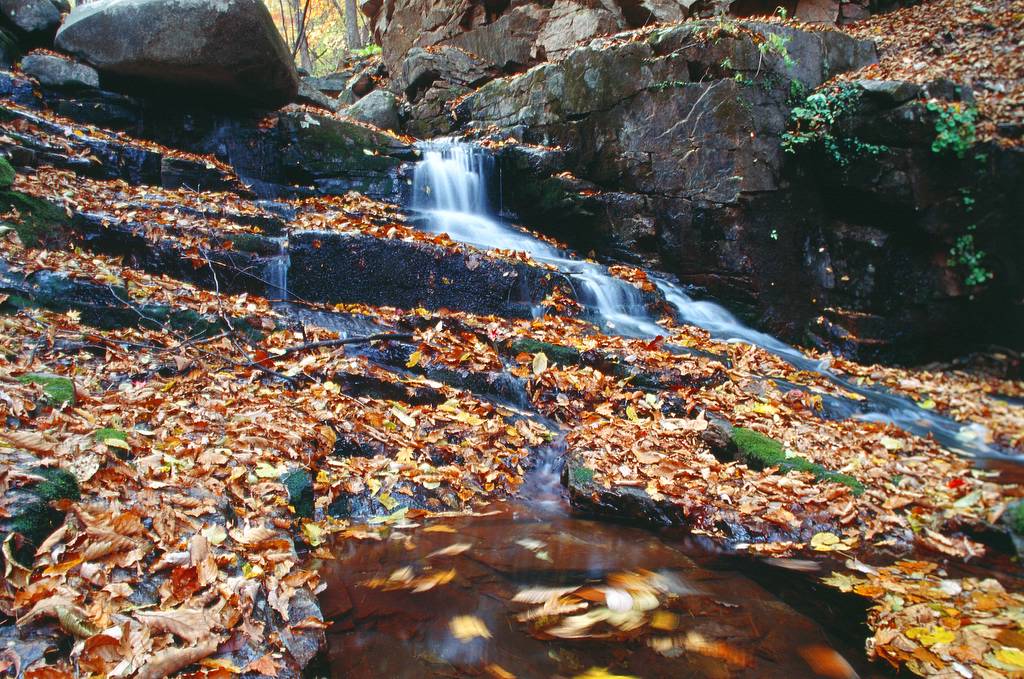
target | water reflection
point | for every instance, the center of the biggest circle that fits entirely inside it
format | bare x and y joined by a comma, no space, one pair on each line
709,620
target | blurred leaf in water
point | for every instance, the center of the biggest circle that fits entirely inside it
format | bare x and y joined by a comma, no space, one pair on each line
468,627
826,662
603,673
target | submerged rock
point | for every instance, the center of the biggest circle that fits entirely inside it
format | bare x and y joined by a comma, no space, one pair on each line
37,18
230,49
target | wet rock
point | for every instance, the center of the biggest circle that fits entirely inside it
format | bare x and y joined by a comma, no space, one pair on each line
299,485
624,502
338,156
230,49
37,18
378,108
53,71
388,272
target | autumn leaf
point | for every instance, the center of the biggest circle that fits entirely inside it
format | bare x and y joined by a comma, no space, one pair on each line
931,635
540,363
465,628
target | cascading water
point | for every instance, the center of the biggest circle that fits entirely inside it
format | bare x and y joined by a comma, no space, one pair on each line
450,192
276,272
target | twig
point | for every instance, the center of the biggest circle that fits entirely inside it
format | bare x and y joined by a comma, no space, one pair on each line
341,342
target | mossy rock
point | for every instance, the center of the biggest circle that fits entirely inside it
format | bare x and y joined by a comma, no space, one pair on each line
555,353
761,452
57,484
57,390
254,243
33,515
40,222
299,484
6,173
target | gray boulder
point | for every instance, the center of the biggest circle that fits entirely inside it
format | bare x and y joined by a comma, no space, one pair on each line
54,71
228,47
31,16
378,108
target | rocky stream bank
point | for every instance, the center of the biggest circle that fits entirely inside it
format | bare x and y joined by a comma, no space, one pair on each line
239,376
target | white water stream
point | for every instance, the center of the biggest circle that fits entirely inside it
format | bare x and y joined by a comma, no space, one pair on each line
450,192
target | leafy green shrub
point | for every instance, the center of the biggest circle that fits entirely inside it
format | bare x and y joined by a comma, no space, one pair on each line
954,127
965,253
370,50
812,125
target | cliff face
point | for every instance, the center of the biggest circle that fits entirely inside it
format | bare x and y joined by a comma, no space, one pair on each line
850,218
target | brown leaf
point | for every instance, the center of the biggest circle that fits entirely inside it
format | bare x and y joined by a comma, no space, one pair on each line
171,660
189,624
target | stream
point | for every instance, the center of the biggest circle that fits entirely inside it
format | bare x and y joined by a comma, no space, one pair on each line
723,616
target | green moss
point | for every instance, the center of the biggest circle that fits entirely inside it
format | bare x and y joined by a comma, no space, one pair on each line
554,352
105,434
299,484
6,173
35,522
760,452
58,390
57,484
581,475
39,221
1014,517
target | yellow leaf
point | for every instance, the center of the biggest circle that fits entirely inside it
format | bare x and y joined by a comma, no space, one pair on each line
842,582
891,444
825,542
765,409
389,502
214,534
927,404
439,528
403,418
929,636
540,362
468,627
1011,656
602,673
266,471
414,359
323,477
251,571
313,533
373,485
664,620
631,414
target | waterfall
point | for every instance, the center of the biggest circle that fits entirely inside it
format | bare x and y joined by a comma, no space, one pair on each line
275,275
450,193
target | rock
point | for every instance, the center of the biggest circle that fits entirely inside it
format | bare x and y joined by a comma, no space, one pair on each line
378,108
818,11
422,68
331,85
337,156
391,272
36,17
314,97
890,92
10,48
229,49
567,24
53,71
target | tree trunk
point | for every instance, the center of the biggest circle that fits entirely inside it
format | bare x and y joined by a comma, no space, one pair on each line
352,25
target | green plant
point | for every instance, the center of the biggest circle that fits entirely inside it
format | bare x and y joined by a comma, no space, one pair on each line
57,391
777,44
954,127
813,124
965,253
368,51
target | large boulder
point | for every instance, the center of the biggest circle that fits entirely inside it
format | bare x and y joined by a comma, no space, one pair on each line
228,48
33,17
378,108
